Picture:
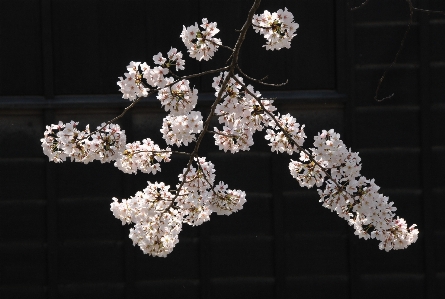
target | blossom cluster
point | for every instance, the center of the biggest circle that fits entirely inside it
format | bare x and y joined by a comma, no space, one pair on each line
141,78
158,212
106,144
144,157
156,223
285,135
63,141
278,28
181,129
354,197
178,98
201,44
199,193
240,113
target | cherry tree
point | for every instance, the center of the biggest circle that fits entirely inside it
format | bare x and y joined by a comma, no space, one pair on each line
158,212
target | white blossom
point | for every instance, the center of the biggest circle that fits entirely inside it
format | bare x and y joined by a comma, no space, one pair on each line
140,75
240,113
179,98
65,140
201,44
143,156
131,87
352,196
181,129
156,223
288,140
278,28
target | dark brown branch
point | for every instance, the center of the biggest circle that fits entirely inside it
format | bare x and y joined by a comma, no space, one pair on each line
259,81
204,73
219,45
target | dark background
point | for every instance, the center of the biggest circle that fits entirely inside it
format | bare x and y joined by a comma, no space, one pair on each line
60,59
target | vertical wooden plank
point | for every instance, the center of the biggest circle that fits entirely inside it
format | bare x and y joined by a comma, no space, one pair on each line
204,230
51,220
47,48
204,261
349,120
76,39
128,248
278,225
426,152
342,38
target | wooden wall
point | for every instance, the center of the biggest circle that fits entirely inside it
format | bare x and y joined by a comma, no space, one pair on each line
60,59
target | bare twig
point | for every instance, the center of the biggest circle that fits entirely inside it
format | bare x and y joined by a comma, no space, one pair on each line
402,44
359,6
260,81
429,11
205,73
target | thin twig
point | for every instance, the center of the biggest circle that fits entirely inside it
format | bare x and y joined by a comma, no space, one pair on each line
261,27
205,73
402,44
162,152
359,6
223,134
211,186
429,11
260,81
219,45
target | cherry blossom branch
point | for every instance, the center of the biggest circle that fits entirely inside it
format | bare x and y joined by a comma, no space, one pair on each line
288,136
208,182
231,68
158,211
152,91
